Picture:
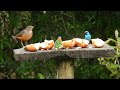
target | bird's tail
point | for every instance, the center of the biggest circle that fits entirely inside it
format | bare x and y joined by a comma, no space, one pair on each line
14,39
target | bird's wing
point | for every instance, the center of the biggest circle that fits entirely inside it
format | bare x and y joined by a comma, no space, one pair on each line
58,43
21,33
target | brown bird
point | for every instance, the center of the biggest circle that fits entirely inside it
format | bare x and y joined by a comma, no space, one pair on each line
24,35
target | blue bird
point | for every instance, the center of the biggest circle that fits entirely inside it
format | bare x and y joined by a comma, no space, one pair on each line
87,36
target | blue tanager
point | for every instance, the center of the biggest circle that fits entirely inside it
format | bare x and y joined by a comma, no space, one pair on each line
87,36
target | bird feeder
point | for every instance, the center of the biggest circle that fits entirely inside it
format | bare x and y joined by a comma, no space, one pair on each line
65,57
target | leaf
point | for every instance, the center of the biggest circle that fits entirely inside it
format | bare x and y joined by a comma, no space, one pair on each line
117,56
118,40
103,63
110,39
113,66
114,47
116,33
114,73
41,76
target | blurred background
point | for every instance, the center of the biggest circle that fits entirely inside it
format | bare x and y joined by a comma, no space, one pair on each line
49,25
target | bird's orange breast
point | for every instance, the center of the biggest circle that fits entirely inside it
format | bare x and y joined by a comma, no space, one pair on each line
25,37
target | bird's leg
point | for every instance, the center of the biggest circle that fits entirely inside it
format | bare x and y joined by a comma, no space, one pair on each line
22,43
90,42
26,43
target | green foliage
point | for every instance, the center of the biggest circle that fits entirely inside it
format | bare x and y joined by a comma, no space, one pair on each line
90,69
112,63
50,25
41,76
